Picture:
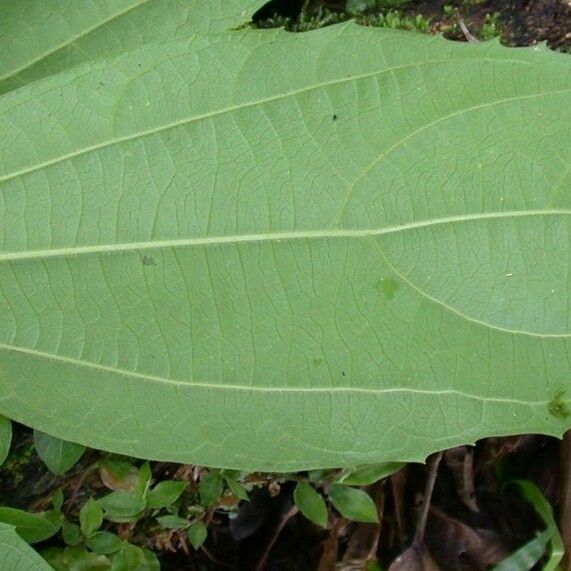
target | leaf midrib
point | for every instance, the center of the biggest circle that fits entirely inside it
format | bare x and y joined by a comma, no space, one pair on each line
270,99
330,233
260,389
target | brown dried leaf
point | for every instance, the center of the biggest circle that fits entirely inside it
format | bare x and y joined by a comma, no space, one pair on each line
415,558
398,485
496,448
460,462
364,539
328,557
462,547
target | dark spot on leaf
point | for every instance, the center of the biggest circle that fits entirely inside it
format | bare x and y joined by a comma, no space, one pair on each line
149,261
387,286
342,373
557,407
334,117
317,362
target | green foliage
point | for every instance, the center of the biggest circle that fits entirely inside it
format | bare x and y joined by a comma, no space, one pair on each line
548,542
133,558
128,558
65,35
15,554
197,534
143,480
235,487
310,503
211,488
416,184
90,517
58,500
122,475
5,438
397,21
492,27
306,22
365,475
173,522
359,6
543,508
71,533
104,542
31,527
58,455
401,273
121,506
89,546
353,503
75,559
165,494
528,555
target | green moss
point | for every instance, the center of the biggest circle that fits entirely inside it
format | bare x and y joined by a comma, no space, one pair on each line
306,22
492,27
396,21
387,18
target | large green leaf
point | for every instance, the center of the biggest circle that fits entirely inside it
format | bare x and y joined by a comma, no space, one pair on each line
40,38
253,251
16,554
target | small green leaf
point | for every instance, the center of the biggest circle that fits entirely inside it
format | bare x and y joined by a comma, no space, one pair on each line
133,558
237,489
58,499
310,503
317,475
211,488
55,516
353,504
165,494
197,534
90,517
365,475
104,542
119,474
71,533
122,505
31,527
143,480
75,559
5,438
58,455
172,521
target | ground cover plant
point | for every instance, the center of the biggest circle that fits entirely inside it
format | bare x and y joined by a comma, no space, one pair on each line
234,246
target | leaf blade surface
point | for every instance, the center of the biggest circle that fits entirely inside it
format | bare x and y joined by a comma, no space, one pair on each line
40,39
371,254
